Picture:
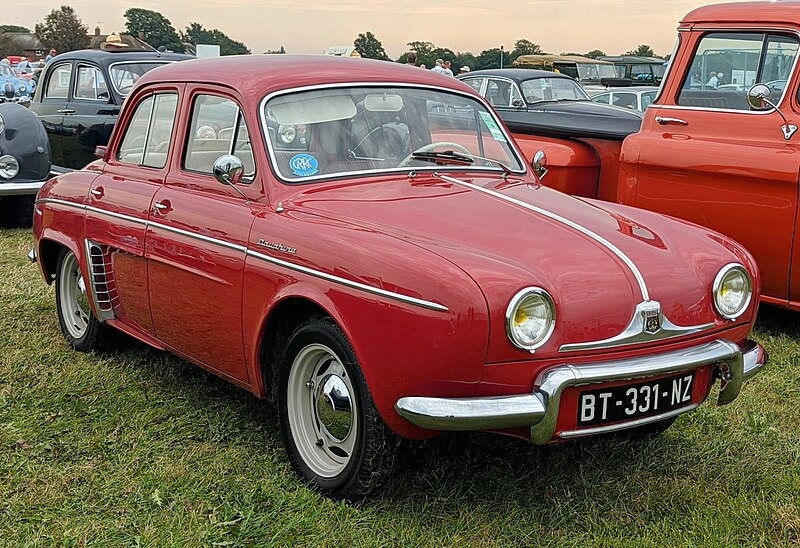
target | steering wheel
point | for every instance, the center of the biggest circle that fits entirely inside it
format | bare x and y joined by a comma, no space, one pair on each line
430,147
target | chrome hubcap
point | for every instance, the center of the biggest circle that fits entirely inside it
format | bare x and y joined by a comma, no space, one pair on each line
322,412
74,301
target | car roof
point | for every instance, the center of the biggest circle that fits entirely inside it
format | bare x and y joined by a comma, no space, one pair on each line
631,89
259,75
516,74
105,58
633,59
784,13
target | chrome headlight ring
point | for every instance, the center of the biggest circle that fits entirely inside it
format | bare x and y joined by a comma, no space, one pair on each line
535,307
9,167
732,278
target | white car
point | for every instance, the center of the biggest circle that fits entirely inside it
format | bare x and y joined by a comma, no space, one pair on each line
636,98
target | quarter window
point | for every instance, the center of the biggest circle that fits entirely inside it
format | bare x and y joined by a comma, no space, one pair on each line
727,64
218,128
604,98
90,84
58,84
147,138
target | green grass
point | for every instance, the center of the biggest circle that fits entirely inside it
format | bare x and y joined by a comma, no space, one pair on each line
135,447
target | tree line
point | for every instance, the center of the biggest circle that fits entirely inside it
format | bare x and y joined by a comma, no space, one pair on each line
63,30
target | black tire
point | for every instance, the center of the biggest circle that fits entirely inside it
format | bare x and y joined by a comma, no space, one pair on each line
80,326
646,431
325,462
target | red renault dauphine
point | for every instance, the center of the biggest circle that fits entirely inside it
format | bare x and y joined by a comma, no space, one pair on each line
364,243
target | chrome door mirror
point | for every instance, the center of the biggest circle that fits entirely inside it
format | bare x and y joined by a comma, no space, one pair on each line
539,164
229,171
759,98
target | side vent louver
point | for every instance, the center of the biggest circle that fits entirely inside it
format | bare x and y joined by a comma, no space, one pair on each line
104,288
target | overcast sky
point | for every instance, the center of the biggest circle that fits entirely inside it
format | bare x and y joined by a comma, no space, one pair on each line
311,26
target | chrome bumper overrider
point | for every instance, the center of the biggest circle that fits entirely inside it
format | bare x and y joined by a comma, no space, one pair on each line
32,255
540,409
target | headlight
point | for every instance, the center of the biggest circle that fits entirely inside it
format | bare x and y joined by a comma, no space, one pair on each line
733,290
530,318
23,88
9,167
287,133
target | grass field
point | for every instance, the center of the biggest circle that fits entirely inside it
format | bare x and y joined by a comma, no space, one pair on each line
135,447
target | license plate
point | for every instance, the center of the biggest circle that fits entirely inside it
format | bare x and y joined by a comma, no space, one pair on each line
632,401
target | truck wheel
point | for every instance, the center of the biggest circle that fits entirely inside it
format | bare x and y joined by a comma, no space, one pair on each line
78,323
333,434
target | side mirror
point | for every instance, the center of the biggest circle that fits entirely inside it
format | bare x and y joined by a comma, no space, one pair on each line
228,170
758,97
539,164
100,151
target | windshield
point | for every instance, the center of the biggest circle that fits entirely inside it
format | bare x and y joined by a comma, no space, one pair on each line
591,71
124,75
355,130
541,90
6,71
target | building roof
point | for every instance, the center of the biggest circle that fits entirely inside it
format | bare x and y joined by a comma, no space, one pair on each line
24,40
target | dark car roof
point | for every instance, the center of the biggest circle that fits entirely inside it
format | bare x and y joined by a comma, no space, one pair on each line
519,75
105,58
633,60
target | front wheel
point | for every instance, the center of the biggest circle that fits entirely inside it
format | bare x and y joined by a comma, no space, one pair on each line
78,323
333,434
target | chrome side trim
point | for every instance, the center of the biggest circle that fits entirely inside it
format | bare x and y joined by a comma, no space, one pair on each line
349,283
472,413
637,274
636,332
572,434
236,247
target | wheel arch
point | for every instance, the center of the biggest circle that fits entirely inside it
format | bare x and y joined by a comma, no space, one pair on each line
47,254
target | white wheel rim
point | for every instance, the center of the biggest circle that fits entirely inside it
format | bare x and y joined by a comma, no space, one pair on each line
73,300
322,412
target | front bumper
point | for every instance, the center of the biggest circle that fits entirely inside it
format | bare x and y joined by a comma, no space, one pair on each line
540,410
9,188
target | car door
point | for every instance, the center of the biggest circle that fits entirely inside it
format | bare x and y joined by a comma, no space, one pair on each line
89,116
704,156
197,237
119,202
52,105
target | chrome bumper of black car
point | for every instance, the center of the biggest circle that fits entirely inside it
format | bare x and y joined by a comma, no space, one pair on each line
20,189
540,410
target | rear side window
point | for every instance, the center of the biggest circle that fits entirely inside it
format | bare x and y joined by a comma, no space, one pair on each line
603,98
727,64
147,138
58,84
217,129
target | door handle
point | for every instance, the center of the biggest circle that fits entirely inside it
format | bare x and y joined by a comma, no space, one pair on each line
98,192
664,121
66,111
163,206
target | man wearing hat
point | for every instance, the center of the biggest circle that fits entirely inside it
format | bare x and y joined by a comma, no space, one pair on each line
113,42
463,70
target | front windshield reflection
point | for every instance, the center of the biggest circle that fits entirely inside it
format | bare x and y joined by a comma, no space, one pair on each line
356,130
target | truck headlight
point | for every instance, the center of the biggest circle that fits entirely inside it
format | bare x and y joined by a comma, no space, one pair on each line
530,318
732,291
9,167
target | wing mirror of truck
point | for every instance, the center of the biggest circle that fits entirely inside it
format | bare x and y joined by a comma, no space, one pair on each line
759,98
539,164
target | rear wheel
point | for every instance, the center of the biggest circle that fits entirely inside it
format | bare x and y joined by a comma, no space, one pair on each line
333,434
78,323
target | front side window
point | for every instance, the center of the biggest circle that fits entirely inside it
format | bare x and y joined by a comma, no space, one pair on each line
602,98
625,100
147,138
58,84
727,64
124,75
361,130
217,129
544,90
502,93
90,84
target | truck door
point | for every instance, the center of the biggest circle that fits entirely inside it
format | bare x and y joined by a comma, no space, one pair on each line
704,156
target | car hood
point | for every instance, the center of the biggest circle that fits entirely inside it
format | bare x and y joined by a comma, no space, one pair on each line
505,247
573,119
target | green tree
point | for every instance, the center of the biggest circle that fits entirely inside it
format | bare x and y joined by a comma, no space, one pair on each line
642,51
157,29
13,28
275,51
63,30
370,47
490,58
197,34
595,53
464,59
523,47
424,51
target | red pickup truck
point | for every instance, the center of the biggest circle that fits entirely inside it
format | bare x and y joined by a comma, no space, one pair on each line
718,147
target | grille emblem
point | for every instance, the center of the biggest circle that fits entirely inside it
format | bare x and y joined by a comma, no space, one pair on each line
652,320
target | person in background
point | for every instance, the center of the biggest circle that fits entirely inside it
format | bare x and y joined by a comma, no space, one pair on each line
447,69
439,68
713,81
464,69
411,59
423,66
24,66
50,55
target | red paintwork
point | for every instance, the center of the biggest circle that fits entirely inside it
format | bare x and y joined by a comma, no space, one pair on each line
420,237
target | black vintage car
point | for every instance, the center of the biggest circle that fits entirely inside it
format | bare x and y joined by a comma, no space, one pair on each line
550,104
79,96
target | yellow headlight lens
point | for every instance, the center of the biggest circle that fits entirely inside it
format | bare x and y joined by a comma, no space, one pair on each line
732,291
530,318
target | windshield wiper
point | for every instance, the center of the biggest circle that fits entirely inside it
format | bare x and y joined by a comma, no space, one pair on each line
454,158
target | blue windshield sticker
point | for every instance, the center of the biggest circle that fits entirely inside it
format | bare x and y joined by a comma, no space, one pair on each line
304,165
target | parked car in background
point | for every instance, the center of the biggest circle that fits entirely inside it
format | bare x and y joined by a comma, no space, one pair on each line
637,98
24,163
14,89
79,96
549,111
641,71
591,74
363,242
